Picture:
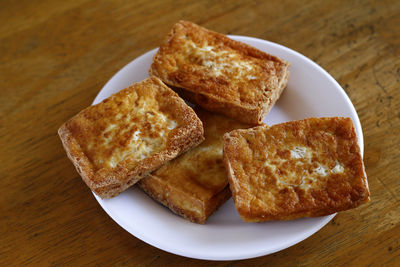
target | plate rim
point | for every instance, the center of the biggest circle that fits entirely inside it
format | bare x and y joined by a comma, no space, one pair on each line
261,252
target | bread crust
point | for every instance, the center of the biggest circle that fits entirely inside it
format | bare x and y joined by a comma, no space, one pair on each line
87,142
226,76
297,169
200,211
195,184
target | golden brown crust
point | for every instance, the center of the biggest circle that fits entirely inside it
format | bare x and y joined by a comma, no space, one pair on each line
220,74
117,142
199,211
304,168
195,184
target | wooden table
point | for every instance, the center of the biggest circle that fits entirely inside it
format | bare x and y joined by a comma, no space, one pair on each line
55,56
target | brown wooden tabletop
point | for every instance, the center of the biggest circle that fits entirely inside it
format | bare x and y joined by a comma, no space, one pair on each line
55,56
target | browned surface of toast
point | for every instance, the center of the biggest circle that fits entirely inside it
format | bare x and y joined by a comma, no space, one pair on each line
304,168
117,142
195,184
220,74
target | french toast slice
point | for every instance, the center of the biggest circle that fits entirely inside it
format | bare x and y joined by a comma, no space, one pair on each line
220,74
195,184
303,168
117,142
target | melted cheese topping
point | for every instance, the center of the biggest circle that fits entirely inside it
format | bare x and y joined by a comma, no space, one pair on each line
338,168
244,79
304,160
221,62
139,145
298,152
129,124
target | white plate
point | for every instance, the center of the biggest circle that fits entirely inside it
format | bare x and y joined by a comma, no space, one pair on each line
311,92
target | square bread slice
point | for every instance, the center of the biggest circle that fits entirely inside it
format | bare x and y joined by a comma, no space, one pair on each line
117,142
195,184
220,74
304,168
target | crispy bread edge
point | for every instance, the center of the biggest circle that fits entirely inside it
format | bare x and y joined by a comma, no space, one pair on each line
217,201
153,188
74,152
149,186
234,188
243,114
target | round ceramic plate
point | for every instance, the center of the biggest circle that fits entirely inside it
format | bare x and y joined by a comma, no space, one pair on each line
311,92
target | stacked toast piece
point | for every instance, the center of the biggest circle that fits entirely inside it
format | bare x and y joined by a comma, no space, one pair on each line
192,161
130,134
195,184
304,168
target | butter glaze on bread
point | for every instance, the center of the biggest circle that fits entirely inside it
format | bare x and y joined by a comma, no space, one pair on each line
195,184
117,142
220,74
304,168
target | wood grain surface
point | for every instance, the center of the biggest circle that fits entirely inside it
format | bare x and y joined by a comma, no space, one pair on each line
55,56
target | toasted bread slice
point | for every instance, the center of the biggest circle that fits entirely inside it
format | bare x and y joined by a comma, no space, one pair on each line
117,142
195,184
220,74
304,168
